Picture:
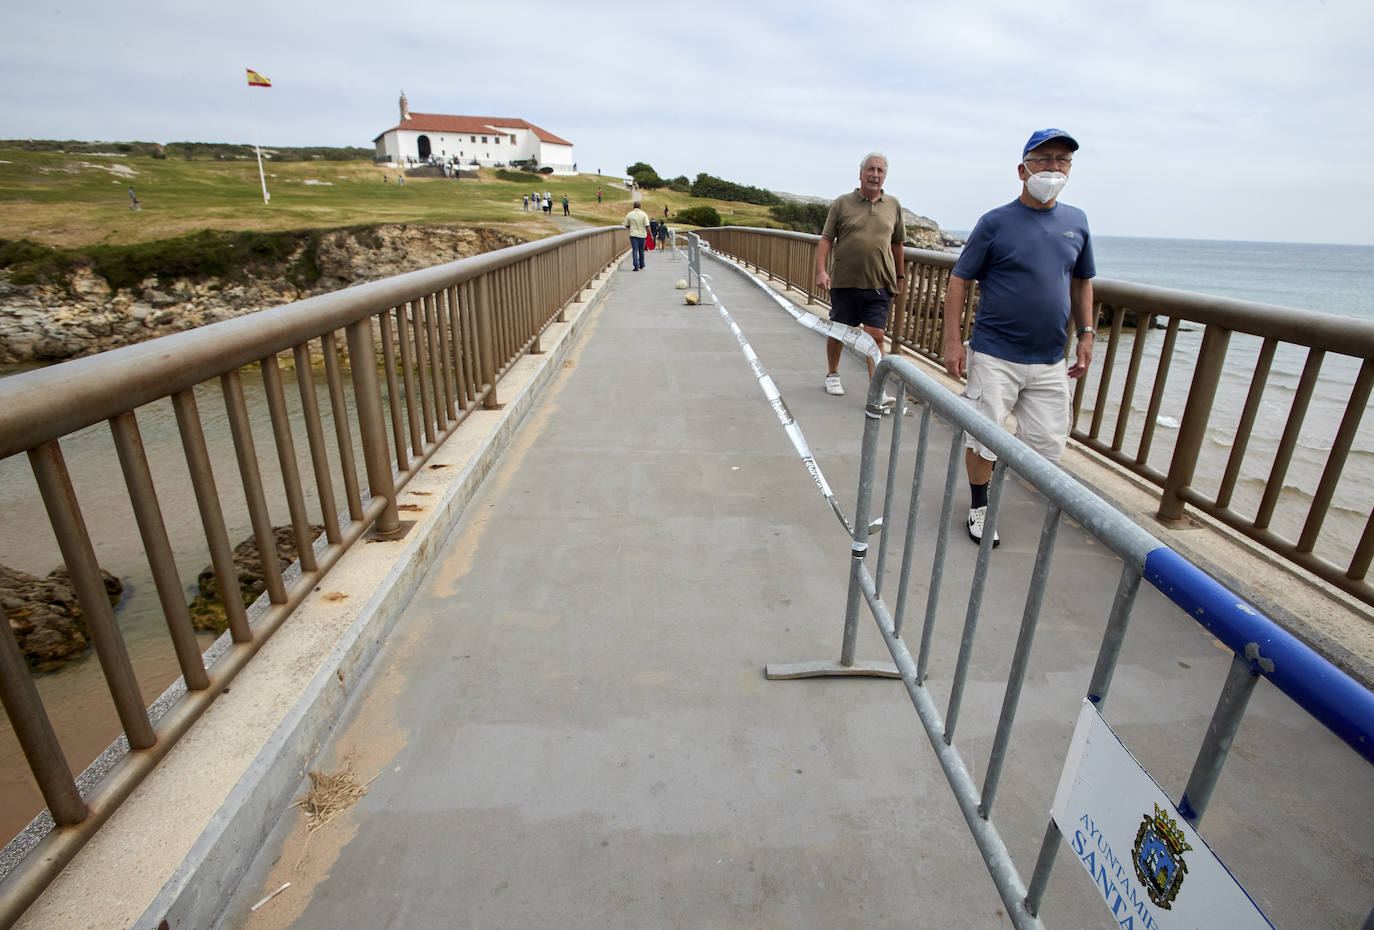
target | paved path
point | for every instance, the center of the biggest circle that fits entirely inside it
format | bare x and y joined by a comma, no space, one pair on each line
570,726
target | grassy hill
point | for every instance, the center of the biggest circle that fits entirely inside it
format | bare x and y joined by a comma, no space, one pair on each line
76,199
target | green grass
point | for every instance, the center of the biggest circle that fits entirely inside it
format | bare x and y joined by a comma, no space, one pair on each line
75,200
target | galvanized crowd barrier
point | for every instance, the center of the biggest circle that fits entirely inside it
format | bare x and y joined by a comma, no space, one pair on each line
1259,648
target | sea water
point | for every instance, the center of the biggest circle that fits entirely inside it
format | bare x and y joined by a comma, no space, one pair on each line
1329,278
1335,279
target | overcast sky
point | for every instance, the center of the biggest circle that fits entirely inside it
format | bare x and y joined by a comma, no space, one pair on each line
1214,119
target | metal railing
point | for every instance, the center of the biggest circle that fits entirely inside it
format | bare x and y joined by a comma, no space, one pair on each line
421,352
1233,477
1259,647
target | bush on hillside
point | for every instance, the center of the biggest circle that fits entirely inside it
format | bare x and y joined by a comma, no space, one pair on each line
645,176
803,217
202,255
704,215
720,189
680,184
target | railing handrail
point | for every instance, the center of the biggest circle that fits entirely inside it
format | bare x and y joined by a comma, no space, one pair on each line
1341,557
47,403
1315,328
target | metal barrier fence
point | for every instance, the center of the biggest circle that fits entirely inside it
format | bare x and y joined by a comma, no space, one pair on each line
1233,471
1259,647
422,351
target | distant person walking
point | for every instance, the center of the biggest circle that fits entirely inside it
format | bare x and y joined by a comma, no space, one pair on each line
565,206
637,222
598,193
1033,260
865,231
133,200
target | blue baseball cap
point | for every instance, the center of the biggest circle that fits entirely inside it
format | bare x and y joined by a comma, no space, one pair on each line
1041,136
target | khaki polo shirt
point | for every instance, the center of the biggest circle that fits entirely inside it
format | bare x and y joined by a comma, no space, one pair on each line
863,232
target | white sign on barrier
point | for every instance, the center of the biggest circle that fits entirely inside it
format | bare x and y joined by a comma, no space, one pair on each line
1151,867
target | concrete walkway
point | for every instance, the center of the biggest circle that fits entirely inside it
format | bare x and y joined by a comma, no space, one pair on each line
570,726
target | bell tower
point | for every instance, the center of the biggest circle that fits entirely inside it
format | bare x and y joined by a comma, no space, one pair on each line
405,107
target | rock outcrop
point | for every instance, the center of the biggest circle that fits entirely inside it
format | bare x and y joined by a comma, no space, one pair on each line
49,323
207,610
45,617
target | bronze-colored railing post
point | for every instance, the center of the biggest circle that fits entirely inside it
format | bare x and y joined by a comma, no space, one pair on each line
78,554
35,733
1201,394
486,349
362,355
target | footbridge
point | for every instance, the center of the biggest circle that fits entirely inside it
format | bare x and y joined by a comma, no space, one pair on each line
617,619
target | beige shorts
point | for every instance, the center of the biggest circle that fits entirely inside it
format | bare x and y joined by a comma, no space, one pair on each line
1037,394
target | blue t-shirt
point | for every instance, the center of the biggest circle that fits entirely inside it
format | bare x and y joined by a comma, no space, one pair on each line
1022,260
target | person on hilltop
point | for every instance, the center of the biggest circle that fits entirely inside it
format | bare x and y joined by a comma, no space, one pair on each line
866,234
1033,260
637,222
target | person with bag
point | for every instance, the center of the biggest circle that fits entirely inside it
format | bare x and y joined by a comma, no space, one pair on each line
637,222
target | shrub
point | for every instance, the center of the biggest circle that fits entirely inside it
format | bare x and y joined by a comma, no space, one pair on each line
546,170
680,184
803,217
720,189
645,176
704,215
33,263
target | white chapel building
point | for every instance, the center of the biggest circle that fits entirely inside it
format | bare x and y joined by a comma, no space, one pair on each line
472,140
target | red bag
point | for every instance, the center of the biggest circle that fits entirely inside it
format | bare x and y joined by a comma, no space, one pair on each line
649,240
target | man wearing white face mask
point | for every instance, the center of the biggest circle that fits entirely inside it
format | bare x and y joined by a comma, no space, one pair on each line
1033,261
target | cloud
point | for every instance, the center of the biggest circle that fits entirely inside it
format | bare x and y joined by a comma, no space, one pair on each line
1219,119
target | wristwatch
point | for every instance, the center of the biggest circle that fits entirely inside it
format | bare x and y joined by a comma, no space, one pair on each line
1086,329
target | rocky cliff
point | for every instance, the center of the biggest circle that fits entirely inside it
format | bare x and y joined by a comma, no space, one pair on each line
82,316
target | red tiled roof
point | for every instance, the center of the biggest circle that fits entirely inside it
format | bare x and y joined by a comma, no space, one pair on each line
439,122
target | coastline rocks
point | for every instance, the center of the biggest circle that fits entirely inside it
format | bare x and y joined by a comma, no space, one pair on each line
53,322
207,610
45,616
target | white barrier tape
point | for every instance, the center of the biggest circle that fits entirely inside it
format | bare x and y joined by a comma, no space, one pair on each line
852,336
784,415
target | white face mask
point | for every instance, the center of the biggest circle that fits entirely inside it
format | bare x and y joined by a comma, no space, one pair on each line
1044,186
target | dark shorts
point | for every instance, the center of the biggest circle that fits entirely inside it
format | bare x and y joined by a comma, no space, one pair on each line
860,306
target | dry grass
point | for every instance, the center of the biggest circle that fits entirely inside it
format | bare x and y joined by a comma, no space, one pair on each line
330,795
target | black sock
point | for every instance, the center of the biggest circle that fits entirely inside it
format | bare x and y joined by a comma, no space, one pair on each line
980,494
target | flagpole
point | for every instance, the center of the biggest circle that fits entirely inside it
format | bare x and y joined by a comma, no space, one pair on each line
266,197
257,80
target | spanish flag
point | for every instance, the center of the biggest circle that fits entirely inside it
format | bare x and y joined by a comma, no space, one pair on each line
257,80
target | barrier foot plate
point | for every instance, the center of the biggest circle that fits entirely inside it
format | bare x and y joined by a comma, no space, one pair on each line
828,669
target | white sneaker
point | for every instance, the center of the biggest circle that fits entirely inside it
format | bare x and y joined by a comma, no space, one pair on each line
976,517
833,386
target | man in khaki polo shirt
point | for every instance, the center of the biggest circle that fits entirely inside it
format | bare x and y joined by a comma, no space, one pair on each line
864,229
